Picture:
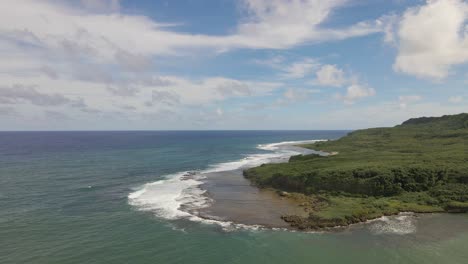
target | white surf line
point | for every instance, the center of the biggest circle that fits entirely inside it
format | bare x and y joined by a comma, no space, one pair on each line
402,224
179,195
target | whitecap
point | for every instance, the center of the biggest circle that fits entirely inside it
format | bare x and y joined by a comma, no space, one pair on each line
165,197
402,224
179,196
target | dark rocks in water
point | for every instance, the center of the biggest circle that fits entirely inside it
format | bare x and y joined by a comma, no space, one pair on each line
314,222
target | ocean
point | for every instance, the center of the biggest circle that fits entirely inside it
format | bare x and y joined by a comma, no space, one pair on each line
144,197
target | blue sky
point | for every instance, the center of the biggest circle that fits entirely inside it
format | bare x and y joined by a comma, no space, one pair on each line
230,64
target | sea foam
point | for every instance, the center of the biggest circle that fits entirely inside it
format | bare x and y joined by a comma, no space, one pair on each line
179,195
401,224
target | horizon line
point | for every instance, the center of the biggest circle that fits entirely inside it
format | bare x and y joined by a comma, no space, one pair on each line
175,130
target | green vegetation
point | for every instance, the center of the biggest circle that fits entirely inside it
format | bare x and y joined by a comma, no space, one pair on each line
419,166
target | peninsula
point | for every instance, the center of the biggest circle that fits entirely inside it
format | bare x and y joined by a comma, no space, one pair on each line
419,166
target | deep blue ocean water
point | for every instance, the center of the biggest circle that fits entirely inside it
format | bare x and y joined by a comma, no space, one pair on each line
64,198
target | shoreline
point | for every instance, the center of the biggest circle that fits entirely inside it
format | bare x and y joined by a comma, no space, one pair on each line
310,223
188,194
378,172
365,223
291,222
223,195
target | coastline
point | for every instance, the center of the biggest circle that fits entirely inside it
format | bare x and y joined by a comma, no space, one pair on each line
200,196
378,172
221,195
390,223
274,209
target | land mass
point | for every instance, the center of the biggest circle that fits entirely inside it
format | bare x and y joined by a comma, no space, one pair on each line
419,166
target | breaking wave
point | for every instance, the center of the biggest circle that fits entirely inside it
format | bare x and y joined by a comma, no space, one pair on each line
180,196
402,224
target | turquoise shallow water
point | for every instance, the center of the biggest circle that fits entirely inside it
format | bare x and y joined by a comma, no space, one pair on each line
64,198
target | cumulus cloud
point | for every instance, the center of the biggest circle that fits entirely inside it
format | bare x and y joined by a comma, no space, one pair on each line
432,38
330,75
356,92
209,90
293,95
300,69
325,74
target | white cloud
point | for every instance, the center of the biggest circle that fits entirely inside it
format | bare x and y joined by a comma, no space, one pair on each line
432,38
123,90
133,62
330,75
282,24
36,92
215,89
456,99
61,30
297,94
62,49
163,97
102,5
290,69
356,92
325,74
17,94
404,100
300,69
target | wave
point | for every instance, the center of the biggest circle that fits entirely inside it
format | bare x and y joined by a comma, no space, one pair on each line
401,224
276,146
166,197
180,196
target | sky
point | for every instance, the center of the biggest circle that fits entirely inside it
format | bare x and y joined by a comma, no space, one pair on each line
230,64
